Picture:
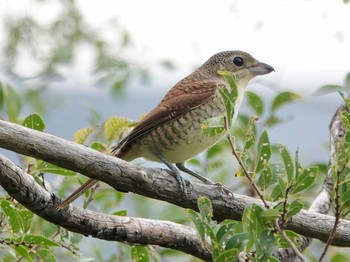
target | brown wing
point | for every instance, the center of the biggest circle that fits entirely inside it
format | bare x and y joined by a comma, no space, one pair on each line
183,97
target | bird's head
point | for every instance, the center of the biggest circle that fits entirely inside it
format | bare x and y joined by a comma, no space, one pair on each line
241,64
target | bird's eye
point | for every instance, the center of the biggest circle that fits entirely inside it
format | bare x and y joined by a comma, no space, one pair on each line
238,61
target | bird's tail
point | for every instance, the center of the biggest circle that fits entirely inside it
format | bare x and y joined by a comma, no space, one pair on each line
77,193
87,185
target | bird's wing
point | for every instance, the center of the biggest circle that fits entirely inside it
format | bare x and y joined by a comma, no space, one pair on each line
184,97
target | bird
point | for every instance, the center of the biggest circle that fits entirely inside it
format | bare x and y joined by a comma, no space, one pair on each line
172,132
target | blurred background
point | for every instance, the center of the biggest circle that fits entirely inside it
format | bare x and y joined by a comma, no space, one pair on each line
77,63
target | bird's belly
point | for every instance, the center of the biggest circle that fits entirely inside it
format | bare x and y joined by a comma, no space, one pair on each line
182,138
196,143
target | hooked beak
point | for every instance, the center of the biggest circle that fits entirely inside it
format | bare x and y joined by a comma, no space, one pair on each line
261,69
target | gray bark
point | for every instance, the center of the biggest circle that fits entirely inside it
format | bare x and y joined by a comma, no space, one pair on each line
126,177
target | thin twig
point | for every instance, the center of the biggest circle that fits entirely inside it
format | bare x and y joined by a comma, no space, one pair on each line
284,212
246,173
336,215
257,190
91,196
37,246
289,241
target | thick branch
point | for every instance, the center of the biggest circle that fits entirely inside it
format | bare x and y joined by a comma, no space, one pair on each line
25,190
150,182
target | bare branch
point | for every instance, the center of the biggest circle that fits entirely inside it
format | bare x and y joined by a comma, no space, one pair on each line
151,182
22,187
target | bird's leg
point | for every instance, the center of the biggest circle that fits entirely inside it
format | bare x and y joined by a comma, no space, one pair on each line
181,167
175,172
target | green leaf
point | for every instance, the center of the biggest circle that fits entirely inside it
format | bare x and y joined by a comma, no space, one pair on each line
273,120
38,240
82,134
344,185
288,163
237,241
339,257
272,259
294,208
13,104
226,228
305,179
98,146
282,99
1,96
117,87
13,216
255,102
229,95
199,223
265,244
266,177
115,126
35,122
27,218
23,252
344,97
140,254
46,255
298,169
229,105
264,149
213,126
296,239
121,213
46,167
227,255
252,224
250,134
347,81
205,208
326,89
278,190
9,252
345,200
270,214
217,248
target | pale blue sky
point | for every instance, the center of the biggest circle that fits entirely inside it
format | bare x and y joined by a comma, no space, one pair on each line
306,41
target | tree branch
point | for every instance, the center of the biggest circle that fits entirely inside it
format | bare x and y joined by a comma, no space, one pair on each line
150,182
22,187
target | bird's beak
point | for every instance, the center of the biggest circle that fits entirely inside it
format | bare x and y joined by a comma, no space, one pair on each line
261,69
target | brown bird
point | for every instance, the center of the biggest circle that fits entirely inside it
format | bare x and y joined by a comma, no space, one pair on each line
172,132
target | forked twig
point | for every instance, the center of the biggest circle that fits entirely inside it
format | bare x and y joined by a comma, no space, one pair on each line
257,190
336,215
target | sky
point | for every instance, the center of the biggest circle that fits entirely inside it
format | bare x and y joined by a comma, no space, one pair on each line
306,41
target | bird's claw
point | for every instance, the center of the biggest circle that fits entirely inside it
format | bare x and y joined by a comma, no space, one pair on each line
224,189
181,182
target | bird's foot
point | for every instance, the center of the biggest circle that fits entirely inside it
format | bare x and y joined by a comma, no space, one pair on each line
181,167
225,189
181,182
175,173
